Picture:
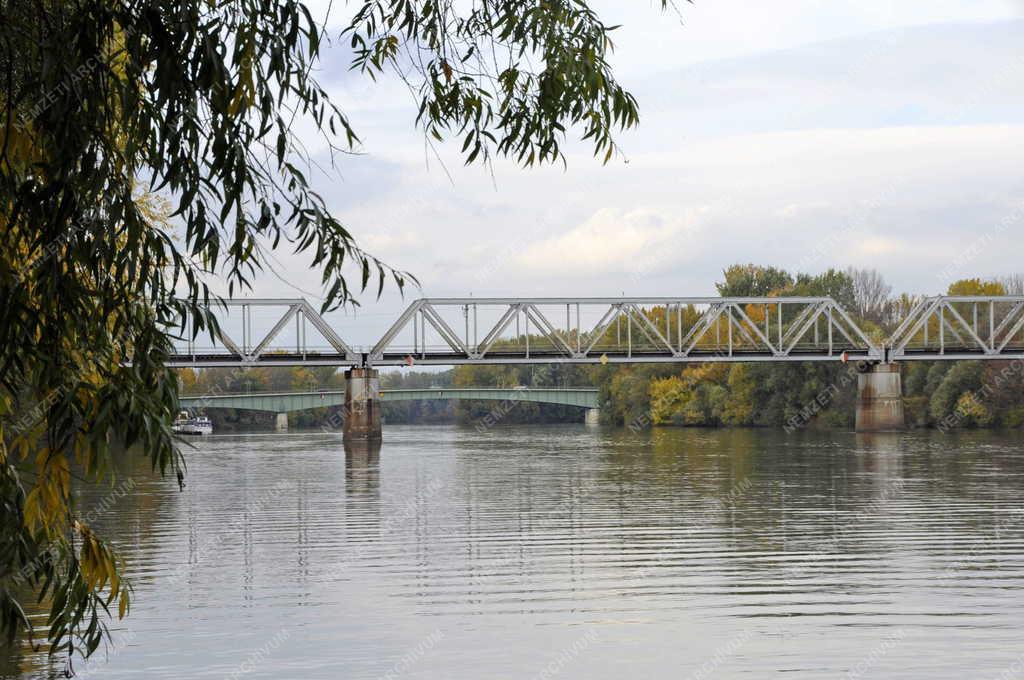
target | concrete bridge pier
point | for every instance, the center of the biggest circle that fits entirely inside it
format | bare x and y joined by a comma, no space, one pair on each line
592,417
362,405
880,399
281,422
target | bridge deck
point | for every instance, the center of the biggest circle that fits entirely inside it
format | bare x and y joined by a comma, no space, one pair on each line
213,360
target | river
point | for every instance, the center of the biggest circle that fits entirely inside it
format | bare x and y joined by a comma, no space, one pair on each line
572,552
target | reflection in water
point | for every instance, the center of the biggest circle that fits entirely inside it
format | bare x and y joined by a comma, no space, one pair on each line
602,554
362,466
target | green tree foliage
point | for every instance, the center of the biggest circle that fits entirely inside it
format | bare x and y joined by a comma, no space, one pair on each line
198,101
1005,395
695,397
625,392
963,377
549,375
750,280
835,284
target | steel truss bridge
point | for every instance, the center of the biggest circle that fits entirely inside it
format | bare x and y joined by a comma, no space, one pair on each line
287,402
456,331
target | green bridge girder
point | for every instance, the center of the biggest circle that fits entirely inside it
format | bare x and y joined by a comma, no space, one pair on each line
287,402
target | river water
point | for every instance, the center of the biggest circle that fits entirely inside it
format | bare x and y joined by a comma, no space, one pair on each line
574,552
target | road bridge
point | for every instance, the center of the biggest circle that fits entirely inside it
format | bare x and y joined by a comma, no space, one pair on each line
497,331
283,403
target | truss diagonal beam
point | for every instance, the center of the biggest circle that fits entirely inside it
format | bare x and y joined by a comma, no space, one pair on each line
1009,336
798,322
498,329
230,344
924,313
854,327
603,325
744,316
701,328
396,328
269,337
443,329
805,326
1007,320
842,331
313,316
549,331
646,327
735,322
909,319
970,331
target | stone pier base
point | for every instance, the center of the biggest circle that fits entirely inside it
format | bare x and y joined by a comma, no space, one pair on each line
592,417
281,422
362,405
880,399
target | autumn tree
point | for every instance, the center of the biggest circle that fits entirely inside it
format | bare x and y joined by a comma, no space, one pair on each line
749,280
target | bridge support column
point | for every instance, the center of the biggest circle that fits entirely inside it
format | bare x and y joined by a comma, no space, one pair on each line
281,422
880,399
362,405
593,416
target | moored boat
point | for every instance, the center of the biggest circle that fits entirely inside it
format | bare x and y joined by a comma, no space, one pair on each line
195,425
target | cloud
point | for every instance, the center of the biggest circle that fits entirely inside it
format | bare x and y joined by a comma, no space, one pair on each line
391,244
875,246
616,241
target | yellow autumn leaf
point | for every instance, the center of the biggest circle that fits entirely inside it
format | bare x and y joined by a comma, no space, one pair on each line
122,605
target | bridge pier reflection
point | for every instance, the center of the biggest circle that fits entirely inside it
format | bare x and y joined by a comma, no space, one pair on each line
362,465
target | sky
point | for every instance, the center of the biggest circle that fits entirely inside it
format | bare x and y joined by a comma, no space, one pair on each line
801,134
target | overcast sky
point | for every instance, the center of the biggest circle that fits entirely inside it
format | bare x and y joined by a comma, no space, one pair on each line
802,134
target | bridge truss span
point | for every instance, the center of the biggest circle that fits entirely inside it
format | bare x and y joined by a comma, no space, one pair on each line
246,345
960,327
587,330
452,331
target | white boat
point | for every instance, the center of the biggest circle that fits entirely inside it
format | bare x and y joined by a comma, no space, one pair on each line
186,424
